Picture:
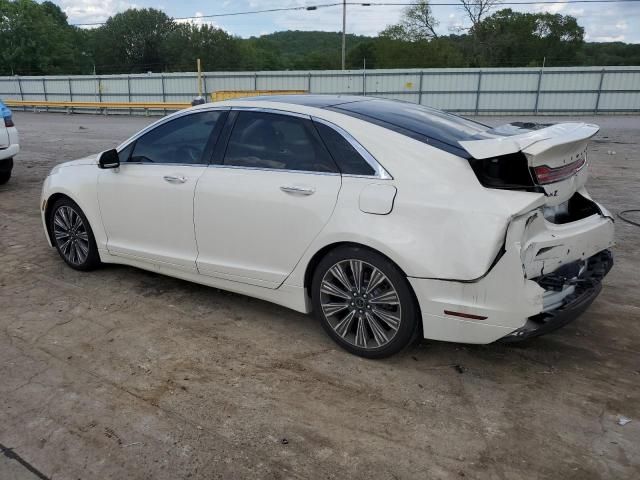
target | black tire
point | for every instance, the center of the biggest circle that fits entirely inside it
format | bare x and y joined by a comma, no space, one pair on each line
4,177
80,235
365,312
6,166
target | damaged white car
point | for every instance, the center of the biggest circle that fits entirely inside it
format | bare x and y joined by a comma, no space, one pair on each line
388,220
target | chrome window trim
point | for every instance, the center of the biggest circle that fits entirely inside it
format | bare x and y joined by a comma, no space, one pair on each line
271,110
283,170
380,171
172,164
162,121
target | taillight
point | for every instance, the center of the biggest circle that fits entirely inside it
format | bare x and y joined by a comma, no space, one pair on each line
545,174
8,121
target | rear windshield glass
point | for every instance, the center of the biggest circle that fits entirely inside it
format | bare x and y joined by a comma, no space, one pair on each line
422,123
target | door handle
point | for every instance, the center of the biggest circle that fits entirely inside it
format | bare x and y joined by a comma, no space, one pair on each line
175,179
298,190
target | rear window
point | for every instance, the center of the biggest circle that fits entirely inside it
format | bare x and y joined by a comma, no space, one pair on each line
419,122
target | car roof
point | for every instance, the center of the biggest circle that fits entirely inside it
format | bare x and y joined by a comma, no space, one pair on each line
435,127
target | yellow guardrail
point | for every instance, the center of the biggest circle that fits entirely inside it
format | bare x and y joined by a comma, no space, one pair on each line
218,96
98,105
221,95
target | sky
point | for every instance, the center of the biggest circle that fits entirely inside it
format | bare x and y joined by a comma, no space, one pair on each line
602,22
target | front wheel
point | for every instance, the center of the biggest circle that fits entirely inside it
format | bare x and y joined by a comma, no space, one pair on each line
72,235
364,302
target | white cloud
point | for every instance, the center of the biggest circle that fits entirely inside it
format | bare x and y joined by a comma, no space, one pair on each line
93,11
360,20
600,22
199,20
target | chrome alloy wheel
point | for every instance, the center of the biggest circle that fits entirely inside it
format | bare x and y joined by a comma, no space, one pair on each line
71,235
360,303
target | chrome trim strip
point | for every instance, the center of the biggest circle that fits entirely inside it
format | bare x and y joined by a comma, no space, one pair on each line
380,171
271,110
307,172
172,164
168,118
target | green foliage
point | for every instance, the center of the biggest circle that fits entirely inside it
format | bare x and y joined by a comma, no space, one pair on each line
37,39
214,47
133,41
515,38
417,23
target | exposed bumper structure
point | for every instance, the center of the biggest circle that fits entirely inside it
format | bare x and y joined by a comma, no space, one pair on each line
586,286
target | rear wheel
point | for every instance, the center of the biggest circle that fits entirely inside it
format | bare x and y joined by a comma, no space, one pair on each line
364,302
4,177
72,235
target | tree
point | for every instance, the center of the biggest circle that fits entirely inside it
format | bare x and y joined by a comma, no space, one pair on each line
133,41
417,23
213,46
521,39
477,10
36,39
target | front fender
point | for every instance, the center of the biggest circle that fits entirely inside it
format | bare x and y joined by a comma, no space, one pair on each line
79,183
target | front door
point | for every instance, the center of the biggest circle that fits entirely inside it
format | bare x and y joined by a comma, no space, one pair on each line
147,203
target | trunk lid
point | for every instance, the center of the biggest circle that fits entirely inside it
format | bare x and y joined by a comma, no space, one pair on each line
556,154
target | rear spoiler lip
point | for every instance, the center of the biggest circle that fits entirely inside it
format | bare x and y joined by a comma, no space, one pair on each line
532,143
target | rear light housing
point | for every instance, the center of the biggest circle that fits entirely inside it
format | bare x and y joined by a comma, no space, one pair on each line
8,121
545,174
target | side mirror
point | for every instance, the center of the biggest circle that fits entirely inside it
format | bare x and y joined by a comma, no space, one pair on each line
109,159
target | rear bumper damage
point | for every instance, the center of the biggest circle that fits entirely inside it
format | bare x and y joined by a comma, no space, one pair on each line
547,275
578,283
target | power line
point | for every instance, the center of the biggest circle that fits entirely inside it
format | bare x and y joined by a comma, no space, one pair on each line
368,4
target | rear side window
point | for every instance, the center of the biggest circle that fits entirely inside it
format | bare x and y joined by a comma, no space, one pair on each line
349,161
279,142
182,140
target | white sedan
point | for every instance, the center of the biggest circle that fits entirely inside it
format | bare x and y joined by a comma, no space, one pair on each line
388,220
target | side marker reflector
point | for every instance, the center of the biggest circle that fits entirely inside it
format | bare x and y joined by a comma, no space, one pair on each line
465,315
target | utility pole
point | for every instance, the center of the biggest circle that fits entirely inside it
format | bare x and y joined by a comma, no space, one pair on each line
344,29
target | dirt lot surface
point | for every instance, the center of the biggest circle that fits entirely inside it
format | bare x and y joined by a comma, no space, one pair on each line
121,373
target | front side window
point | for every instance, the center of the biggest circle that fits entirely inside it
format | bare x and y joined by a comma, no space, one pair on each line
183,140
276,141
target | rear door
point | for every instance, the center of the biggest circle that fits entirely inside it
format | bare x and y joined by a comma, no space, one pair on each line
261,206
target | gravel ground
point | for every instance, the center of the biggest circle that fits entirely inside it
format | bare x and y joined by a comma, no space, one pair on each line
121,373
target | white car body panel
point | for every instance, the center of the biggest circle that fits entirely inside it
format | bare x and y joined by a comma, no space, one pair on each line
463,247
244,221
377,198
531,143
137,192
